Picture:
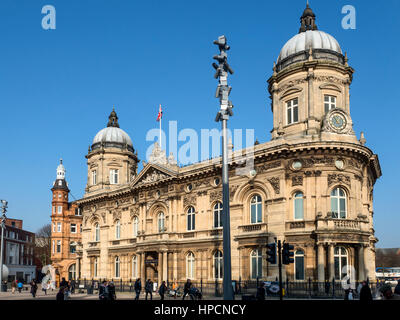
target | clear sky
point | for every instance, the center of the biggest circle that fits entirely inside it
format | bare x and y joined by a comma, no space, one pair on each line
57,87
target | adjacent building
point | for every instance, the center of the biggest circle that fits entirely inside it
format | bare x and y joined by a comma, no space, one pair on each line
66,224
311,185
19,246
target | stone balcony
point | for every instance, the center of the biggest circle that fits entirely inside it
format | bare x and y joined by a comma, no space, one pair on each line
253,228
351,225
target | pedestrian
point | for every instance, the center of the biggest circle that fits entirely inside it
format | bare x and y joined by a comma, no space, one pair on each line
20,286
350,295
111,291
186,288
138,288
60,294
387,293
397,288
162,290
149,288
33,288
103,291
261,291
44,288
327,286
365,292
174,288
63,283
73,284
13,286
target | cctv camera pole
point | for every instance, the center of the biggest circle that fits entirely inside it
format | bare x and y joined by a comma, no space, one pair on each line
225,111
3,220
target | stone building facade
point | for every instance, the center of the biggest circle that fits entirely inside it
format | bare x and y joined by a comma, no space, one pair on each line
311,185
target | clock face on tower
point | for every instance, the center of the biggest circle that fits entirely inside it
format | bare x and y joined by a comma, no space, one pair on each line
337,121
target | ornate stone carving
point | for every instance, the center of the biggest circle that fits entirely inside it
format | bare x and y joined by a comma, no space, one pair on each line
267,166
275,183
330,79
309,162
116,215
290,84
134,212
189,200
297,181
338,178
215,196
154,177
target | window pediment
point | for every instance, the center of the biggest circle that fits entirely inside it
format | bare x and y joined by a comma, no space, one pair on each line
330,86
291,91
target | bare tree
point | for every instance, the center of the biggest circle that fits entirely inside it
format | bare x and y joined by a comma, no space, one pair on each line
43,244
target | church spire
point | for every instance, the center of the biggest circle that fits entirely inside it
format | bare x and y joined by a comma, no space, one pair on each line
307,20
60,171
113,119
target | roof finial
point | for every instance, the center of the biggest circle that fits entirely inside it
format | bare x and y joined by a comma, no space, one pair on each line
307,20
60,160
113,119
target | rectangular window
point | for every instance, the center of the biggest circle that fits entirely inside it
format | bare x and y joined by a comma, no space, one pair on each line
94,177
114,176
72,248
299,265
292,111
58,226
59,209
73,228
329,102
58,246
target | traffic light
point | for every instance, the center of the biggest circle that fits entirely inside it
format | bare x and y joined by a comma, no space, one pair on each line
271,253
287,253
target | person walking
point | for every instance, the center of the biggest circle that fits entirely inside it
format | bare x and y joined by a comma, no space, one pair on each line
33,288
60,294
13,286
162,290
186,288
111,291
73,284
20,286
261,292
149,288
387,293
138,288
45,286
103,291
397,288
365,292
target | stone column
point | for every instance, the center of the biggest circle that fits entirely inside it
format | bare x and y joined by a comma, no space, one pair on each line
78,264
321,263
138,266
160,267
366,262
175,265
142,267
331,261
165,266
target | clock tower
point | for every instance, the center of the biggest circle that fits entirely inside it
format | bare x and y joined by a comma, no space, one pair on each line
310,87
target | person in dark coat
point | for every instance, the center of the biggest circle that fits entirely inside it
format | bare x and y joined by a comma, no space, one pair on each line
33,288
103,291
397,288
260,292
365,292
149,288
138,288
162,290
186,288
60,294
111,291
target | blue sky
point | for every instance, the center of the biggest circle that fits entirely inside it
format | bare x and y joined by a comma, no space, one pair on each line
57,87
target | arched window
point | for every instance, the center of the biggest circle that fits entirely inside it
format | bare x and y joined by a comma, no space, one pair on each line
95,265
256,209
72,272
218,215
341,261
96,232
256,264
190,219
190,265
298,206
299,265
134,267
218,265
338,203
161,222
135,226
117,229
117,267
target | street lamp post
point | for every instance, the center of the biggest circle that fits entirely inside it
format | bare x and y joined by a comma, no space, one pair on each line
225,111
3,220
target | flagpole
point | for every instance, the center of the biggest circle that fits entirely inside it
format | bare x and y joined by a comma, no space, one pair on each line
160,130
